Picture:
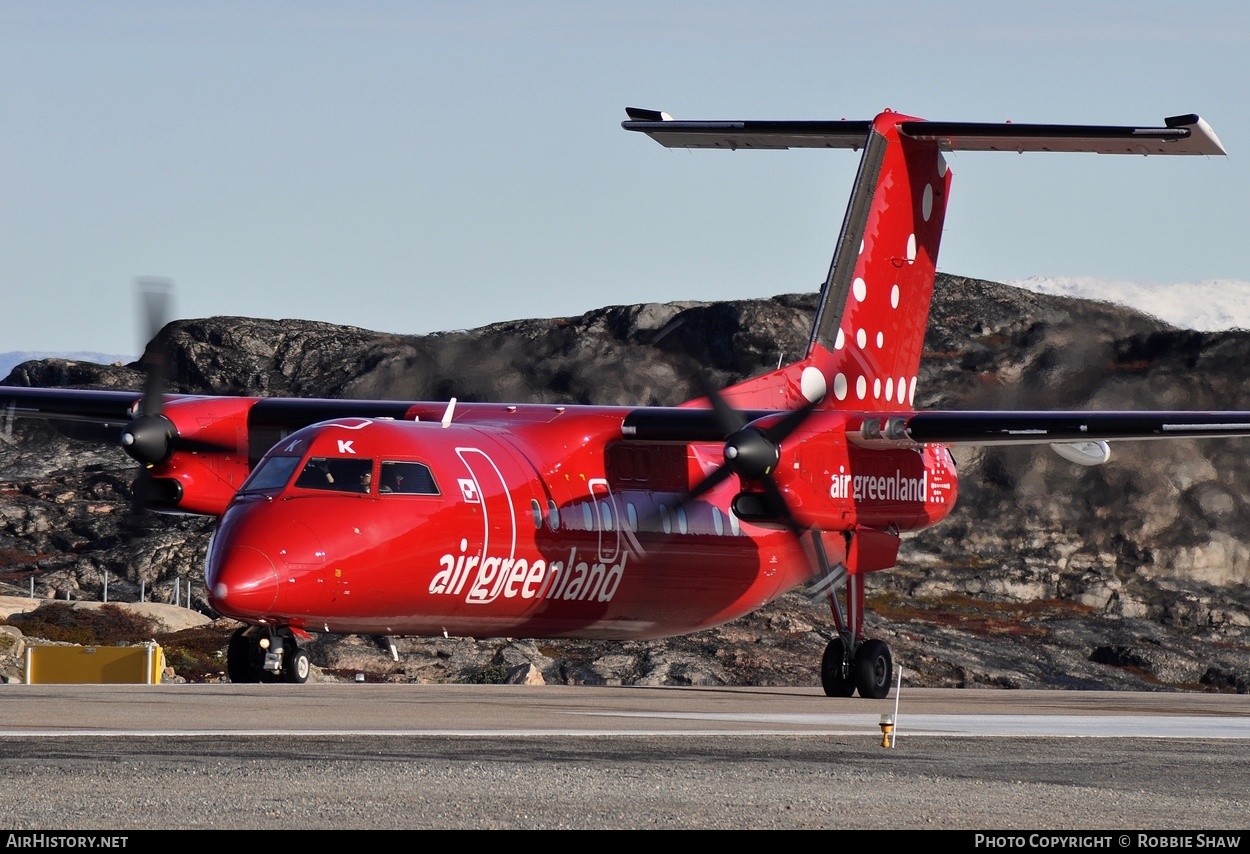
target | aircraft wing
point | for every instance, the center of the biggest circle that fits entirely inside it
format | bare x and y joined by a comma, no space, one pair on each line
89,406
1075,428
100,416
985,427
108,408
1079,437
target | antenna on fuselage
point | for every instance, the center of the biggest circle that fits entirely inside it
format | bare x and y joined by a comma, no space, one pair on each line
451,408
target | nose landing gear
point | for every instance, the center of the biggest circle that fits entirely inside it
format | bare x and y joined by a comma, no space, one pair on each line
257,654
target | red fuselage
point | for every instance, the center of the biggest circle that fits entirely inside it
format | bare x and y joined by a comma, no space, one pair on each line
537,521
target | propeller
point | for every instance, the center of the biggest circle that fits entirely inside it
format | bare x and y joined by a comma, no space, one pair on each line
148,438
151,438
752,453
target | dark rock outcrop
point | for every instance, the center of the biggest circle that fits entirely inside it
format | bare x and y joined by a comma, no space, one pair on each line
1129,575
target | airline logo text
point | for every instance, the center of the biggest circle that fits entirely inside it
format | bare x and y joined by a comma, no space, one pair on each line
483,580
889,487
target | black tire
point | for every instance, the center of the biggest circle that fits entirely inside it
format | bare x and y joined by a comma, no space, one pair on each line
831,677
239,666
295,665
874,669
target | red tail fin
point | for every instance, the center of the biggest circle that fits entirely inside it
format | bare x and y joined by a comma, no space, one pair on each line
865,347
864,353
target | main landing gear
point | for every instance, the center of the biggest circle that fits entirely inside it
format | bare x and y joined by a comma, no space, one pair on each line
868,670
850,662
262,654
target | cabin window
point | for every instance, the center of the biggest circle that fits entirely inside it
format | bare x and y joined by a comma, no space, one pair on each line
272,473
588,518
537,510
553,515
718,521
404,478
633,517
682,526
334,474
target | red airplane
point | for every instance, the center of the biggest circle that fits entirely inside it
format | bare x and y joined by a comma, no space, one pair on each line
604,522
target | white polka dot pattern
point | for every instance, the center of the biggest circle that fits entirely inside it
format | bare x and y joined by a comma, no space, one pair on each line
890,270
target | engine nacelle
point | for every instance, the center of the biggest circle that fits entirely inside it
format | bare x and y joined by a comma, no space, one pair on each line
208,461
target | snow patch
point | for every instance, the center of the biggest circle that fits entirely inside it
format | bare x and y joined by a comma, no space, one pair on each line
1207,306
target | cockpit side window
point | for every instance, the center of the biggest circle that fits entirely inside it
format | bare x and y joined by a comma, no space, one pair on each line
405,478
273,473
336,475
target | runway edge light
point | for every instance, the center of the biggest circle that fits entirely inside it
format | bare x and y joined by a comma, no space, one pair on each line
888,722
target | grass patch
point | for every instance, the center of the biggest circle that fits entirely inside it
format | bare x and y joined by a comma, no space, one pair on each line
980,617
107,625
496,674
197,654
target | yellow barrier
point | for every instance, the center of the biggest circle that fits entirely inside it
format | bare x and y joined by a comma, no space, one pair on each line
96,665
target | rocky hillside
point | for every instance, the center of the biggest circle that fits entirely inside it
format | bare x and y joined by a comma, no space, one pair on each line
1129,575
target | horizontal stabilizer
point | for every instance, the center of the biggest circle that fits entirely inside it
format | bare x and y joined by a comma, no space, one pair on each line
733,135
1187,134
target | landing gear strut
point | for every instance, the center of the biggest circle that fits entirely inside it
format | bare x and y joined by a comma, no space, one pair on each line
257,654
850,662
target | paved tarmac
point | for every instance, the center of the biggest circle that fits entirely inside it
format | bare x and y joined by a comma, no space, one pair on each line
116,758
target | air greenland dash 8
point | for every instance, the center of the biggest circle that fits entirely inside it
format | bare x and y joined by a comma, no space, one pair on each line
546,521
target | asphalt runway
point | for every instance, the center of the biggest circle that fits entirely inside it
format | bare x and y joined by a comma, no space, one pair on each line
349,756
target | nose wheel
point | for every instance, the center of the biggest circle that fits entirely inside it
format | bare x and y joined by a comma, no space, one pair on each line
296,666
263,655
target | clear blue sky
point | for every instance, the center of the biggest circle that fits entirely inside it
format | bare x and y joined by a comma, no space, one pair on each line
417,166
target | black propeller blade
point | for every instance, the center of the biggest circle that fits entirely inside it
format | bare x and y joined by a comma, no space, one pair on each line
155,301
148,438
752,453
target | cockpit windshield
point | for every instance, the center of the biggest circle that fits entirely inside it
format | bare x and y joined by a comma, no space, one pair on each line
336,474
273,473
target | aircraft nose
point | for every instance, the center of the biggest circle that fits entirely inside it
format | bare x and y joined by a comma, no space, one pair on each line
245,583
